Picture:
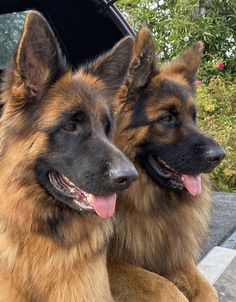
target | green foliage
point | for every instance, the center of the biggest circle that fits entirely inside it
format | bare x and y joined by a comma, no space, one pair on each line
217,116
176,24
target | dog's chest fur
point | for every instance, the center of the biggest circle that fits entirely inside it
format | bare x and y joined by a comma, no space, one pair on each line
40,258
164,231
41,267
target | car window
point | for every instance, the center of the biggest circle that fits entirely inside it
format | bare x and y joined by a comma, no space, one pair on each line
11,26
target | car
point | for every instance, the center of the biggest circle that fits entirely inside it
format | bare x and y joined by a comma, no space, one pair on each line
84,29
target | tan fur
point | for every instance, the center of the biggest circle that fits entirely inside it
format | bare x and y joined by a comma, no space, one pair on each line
157,230
36,264
133,283
41,268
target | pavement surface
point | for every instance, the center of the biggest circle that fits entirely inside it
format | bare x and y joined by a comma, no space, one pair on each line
226,284
223,220
218,261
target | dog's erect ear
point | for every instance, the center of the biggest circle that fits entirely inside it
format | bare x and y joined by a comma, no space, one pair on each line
187,63
113,66
144,61
38,57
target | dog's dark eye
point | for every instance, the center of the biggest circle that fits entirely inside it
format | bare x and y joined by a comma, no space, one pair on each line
194,116
108,128
70,127
166,119
107,125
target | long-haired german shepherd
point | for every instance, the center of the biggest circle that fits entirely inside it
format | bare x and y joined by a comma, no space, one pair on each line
163,217
58,167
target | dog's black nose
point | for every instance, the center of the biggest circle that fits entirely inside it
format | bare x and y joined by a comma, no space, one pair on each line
215,154
122,176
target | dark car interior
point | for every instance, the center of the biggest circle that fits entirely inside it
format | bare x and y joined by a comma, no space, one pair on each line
84,28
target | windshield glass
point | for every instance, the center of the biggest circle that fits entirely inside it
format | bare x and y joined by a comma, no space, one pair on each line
10,30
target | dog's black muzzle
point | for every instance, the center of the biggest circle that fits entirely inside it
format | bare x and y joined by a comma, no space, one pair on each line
169,164
214,155
202,151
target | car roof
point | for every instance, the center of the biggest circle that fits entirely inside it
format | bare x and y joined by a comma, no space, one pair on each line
84,28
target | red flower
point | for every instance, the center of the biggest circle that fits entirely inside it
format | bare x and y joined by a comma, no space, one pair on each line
221,66
198,83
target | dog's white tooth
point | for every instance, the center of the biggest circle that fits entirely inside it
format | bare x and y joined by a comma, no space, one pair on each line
72,190
68,181
89,197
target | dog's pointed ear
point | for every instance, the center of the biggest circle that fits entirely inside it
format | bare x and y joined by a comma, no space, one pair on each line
38,57
112,67
188,62
144,61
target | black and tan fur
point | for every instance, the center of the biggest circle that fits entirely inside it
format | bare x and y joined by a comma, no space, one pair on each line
56,118
160,225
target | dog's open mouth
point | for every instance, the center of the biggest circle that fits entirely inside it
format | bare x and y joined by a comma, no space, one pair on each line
177,181
104,206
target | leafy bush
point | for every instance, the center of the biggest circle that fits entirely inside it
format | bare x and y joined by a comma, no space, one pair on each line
217,116
176,24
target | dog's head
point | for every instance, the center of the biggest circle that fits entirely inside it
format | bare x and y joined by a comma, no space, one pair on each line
158,119
59,122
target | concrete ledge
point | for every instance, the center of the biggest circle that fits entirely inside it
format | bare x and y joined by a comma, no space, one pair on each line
230,242
215,262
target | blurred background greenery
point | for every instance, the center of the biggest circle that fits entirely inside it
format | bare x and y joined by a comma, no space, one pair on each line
175,25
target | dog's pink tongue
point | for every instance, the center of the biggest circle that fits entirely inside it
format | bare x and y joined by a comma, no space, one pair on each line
104,206
193,184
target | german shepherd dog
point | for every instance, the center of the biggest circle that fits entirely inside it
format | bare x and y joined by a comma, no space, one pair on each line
163,217
59,171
